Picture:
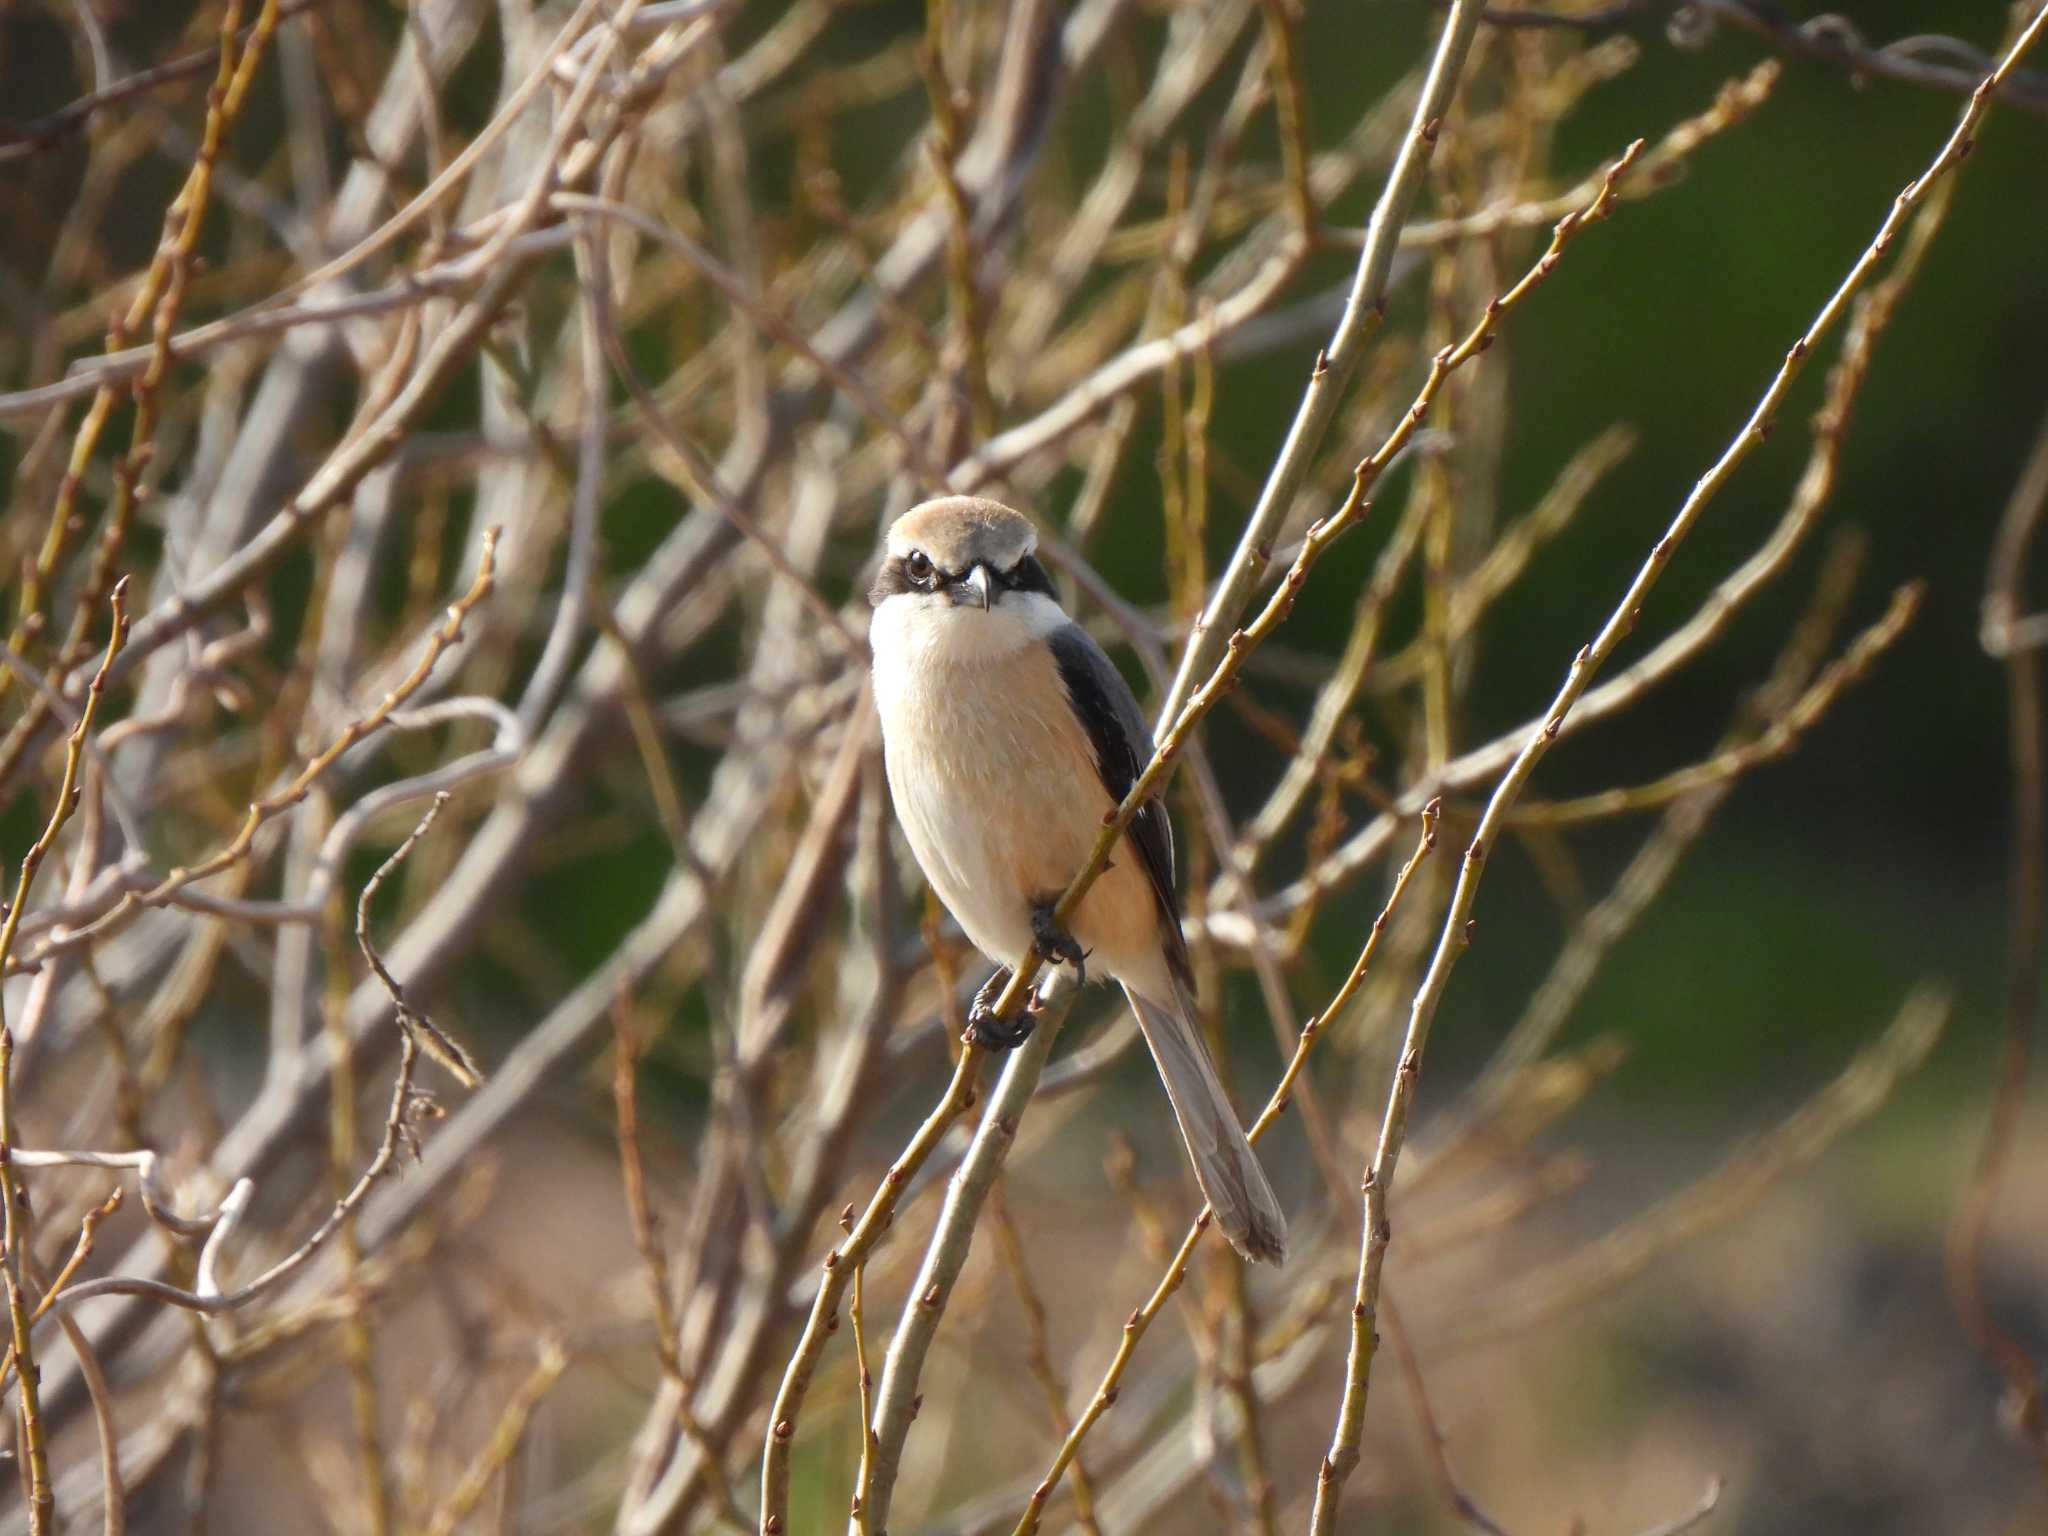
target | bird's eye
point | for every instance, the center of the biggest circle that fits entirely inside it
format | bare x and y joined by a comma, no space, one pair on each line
919,565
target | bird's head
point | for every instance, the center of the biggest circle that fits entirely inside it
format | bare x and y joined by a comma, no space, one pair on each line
965,554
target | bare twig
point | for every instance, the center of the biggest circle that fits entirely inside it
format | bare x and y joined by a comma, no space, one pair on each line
1692,1519
1777,738
448,1052
1364,307
1435,1443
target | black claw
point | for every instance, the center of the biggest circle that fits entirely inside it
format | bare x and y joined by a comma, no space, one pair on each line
985,1029
1056,944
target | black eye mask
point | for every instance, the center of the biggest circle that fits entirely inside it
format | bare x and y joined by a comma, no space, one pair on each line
896,577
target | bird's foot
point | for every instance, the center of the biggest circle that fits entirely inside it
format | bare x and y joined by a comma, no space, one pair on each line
985,1029
1056,944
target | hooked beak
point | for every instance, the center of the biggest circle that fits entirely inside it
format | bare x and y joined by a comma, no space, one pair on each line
973,588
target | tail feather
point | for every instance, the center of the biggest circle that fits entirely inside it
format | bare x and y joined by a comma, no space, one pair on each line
1225,1165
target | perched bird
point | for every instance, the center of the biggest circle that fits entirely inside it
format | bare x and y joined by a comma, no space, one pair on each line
1008,736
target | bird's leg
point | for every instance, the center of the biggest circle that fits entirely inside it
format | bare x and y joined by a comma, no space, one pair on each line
985,1029
1055,943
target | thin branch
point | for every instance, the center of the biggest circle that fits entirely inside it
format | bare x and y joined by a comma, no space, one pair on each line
1290,109
1828,37
864,1479
1435,1443
450,1053
633,1175
1832,38
155,303
1693,1518
1335,364
1779,737
1038,1352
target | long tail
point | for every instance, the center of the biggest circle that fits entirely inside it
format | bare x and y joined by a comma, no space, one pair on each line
1225,1165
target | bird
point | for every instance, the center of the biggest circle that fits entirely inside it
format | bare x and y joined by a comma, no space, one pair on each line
1008,736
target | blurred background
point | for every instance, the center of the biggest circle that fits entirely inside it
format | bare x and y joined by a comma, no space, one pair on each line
1714,1226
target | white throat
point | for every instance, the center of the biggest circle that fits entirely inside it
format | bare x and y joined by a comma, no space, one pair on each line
918,630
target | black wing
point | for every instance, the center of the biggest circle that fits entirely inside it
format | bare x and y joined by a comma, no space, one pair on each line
1122,740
